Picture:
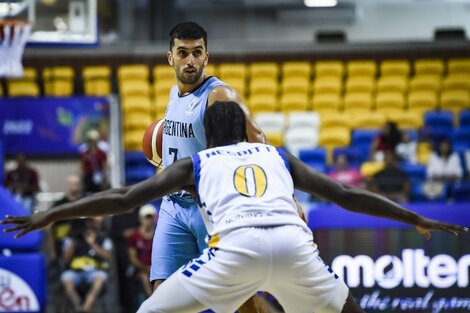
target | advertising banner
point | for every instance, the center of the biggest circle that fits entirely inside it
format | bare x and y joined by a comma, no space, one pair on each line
392,268
39,126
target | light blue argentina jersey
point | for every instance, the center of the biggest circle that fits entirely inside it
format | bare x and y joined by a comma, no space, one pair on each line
183,132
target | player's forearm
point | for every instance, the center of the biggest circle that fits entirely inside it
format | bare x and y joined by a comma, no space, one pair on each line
363,201
109,202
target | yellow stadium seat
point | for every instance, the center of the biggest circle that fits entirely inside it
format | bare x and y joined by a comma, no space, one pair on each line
97,80
211,69
263,86
457,82
329,84
295,85
134,88
455,100
161,102
137,120
133,72
429,67
163,86
358,102
369,169
1,91
406,119
136,104
296,69
133,139
392,83
29,73
264,70
97,87
338,120
275,139
423,152
163,72
294,102
458,66
425,83
422,101
395,68
329,68
360,84
361,68
239,84
263,103
330,138
20,88
58,81
390,101
369,120
233,70
326,102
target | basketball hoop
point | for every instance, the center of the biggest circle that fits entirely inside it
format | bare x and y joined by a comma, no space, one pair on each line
13,37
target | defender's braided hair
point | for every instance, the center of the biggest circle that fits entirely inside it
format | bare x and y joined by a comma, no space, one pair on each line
224,123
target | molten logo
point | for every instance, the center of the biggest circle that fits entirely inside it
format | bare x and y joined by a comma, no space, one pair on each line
15,294
414,268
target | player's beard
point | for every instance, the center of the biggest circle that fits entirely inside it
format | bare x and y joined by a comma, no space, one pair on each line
190,80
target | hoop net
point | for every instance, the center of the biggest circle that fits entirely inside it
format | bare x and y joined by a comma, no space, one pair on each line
13,37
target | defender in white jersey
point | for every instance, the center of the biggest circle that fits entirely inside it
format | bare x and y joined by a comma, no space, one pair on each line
258,241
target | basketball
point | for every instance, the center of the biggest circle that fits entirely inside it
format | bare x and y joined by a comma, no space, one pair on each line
152,142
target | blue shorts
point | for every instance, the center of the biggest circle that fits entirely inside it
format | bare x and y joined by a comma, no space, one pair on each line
83,277
179,237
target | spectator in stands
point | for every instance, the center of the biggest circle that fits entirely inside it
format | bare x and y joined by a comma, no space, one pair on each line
87,252
406,150
387,141
61,229
93,164
391,181
140,246
345,174
444,164
23,183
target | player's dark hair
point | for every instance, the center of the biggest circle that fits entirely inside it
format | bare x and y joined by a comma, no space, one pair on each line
224,123
187,30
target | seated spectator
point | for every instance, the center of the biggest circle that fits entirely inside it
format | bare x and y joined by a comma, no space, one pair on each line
61,229
391,181
140,246
23,183
93,164
406,150
444,164
387,140
86,252
345,174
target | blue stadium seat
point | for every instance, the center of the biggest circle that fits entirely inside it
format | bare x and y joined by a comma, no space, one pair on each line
136,174
439,124
417,193
461,191
413,133
134,158
362,140
464,119
461,139
315,158
416,172
354,156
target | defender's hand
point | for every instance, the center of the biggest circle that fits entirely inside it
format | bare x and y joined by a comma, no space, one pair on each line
426,226
26,224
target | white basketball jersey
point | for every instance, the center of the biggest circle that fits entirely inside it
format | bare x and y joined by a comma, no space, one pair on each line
243,185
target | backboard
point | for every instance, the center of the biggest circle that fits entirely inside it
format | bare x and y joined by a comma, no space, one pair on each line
56,22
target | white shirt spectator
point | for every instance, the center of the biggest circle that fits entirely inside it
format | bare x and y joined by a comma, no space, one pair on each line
406,151
441,168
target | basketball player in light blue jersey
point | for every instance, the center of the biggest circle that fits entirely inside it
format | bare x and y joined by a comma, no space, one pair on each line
258,241
180,235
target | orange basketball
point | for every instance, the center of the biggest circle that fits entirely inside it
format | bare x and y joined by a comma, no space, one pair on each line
152,142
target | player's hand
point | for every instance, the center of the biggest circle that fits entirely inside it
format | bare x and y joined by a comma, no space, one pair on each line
26,224
426,226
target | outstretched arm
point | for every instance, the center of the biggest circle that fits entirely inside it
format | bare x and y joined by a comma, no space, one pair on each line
360,200
114,201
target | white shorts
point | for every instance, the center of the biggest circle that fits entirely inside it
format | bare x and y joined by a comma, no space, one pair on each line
282,260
